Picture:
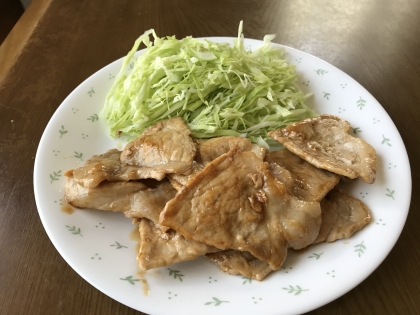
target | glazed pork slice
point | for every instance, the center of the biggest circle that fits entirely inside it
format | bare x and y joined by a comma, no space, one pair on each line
302,180
149,203
324,141
166,147
179,180
114,196
236,203
342,216
208,150
159,249
160,246
236,262
108,167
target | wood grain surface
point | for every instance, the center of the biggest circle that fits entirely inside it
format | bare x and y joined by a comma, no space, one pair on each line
19,33
377,42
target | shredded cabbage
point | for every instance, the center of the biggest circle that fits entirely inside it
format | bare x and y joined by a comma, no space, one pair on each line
217,88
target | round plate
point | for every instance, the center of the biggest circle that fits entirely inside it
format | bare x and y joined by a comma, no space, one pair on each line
98,246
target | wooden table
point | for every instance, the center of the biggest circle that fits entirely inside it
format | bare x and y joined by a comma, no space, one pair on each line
58,44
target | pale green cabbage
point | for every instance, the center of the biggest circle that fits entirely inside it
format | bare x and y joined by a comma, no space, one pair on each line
217,88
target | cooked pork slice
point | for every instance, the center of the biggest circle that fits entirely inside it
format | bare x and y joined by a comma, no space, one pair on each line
235,262
108,167
150,202
236,203
342,216
302,180
179,180
175,183
208,150
159,249
324,142
166,147
114,196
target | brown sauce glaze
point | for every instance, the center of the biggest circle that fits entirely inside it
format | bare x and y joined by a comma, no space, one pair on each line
67,208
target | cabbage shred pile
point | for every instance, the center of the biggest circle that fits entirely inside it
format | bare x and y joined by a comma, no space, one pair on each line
219,89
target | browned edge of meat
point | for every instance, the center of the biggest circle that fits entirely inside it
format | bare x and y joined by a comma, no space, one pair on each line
324,141
114,196
302,179
236,203
166,146
342,216
160,249
108,167
235,262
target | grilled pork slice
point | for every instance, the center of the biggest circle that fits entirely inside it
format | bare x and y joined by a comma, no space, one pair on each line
236,203
235,262
114,196
342,216
160,246
324,142
108,167
159,249
166,147
208,150
302,180
149,203
179,180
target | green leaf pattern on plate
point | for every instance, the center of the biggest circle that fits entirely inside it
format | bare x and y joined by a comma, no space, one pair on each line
74,230
356,130
62,131
390,193
78,155
321,71
130,279
361,103
295,290
55,176
91,92
316,256
247,280
360,249
386,141
118,245
93,118
216,302
176,273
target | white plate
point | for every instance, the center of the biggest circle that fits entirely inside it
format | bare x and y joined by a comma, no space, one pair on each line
98,246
